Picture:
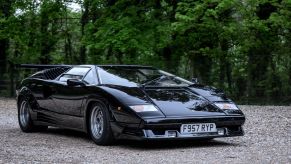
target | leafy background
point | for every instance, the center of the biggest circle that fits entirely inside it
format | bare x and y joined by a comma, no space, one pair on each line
243,47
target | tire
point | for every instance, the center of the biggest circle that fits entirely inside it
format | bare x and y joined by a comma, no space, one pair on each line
99,124
24,118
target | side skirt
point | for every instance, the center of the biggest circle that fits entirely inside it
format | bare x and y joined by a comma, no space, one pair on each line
59,120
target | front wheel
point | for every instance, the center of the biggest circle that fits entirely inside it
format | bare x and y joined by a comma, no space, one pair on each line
99,125
24,118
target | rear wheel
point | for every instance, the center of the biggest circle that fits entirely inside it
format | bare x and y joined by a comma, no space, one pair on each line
24,118
99,125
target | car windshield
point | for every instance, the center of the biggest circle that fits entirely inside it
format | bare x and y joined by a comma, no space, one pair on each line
136,76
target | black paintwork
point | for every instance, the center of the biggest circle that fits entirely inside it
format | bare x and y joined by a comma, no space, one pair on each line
58,104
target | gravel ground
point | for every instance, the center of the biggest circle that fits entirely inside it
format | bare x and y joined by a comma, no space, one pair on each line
267,140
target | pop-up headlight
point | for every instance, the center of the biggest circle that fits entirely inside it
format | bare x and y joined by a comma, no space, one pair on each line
226,106
143,108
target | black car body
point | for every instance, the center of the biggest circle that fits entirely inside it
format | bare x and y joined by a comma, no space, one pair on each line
125,101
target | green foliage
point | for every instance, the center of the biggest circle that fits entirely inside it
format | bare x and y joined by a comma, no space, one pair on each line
242,47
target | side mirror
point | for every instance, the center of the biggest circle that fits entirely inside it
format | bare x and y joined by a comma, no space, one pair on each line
75,82
195,80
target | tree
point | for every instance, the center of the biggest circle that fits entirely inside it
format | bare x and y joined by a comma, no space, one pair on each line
5,13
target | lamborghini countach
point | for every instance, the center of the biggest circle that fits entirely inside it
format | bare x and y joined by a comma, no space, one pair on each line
112,102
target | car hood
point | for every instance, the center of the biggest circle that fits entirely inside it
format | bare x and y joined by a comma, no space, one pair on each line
171,101
181,102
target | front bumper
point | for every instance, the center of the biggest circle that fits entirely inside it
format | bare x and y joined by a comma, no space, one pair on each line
175,134
169,128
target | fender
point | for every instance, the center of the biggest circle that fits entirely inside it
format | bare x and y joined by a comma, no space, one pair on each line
120,114
26,94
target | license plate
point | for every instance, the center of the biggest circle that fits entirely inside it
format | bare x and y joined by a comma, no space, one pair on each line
198,128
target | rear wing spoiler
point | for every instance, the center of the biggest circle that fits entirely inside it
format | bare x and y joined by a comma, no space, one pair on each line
46,71
40,66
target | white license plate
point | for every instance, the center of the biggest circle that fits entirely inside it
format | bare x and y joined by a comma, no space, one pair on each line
198,128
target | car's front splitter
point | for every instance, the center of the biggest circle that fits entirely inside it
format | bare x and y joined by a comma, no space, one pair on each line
175,134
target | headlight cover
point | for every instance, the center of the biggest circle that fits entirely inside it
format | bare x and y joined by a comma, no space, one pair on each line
226,106
143,108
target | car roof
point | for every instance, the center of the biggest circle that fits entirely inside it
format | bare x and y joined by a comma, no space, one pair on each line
43,66
125,66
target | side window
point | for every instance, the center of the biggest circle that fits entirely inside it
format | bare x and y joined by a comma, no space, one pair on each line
90,78
74,73
65,77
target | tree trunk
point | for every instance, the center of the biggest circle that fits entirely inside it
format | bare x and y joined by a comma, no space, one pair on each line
44,47
201,66
167,55
84,22
12,72
68,43
258,62
4,43
225,68
68,49
119,56
222,70
229,76
259,56
168,51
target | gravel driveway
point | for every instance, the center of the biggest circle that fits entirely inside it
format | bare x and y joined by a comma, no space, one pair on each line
267,140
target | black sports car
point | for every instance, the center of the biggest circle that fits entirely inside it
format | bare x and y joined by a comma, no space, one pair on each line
124,102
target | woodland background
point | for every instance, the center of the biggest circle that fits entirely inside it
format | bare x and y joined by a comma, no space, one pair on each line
240,46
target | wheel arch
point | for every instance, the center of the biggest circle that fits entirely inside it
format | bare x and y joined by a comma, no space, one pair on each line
89,106
19,99
25,93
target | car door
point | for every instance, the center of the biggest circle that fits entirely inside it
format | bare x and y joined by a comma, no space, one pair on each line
69,99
